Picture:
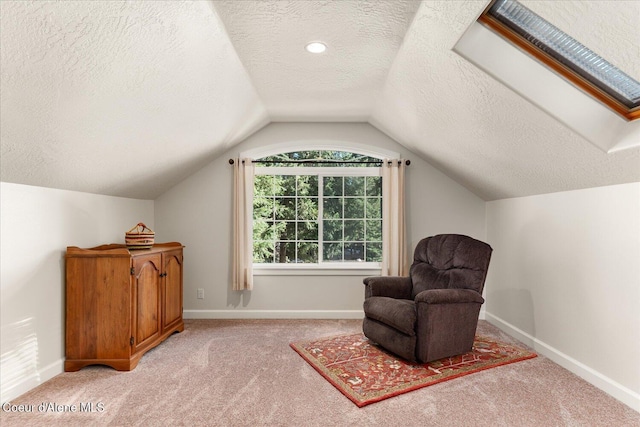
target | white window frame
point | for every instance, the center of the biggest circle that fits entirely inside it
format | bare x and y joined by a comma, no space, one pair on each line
328,268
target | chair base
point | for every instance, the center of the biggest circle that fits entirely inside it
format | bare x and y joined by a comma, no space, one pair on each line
390,339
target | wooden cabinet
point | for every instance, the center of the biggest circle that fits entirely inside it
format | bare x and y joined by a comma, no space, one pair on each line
120,303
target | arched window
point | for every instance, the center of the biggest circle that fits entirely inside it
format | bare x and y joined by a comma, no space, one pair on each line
318,209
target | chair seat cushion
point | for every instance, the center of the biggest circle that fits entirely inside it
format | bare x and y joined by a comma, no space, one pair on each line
400,314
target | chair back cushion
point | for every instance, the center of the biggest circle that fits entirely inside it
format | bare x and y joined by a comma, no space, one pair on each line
450,261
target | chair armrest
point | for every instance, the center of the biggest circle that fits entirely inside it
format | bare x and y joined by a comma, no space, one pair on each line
449,296
388,286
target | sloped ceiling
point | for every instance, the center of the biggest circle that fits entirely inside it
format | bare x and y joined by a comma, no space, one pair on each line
483,134
128,98
119,98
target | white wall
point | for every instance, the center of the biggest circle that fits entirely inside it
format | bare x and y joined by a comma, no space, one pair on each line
37,226
565,278
197,213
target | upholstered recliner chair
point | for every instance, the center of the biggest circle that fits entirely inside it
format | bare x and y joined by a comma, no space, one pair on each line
434,312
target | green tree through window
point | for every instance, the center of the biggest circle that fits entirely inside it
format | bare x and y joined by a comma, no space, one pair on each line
322,212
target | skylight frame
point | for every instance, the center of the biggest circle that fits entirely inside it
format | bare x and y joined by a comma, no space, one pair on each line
554,59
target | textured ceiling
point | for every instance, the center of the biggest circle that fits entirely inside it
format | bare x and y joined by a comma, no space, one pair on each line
341,84
120,98
481,133
128,98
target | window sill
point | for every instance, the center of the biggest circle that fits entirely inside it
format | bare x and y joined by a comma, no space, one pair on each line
316,270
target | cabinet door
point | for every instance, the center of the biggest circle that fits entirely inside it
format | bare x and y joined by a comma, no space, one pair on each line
172,297
146,300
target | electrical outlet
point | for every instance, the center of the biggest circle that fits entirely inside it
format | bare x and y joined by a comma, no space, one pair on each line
200,293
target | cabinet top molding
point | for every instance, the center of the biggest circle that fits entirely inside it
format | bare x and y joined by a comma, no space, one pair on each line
117,250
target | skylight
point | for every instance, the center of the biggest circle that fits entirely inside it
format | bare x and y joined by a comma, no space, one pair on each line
565,55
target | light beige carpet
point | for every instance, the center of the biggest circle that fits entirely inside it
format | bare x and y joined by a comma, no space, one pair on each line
243,373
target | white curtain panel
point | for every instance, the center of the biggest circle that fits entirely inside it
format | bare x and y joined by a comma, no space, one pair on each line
394,253
243,172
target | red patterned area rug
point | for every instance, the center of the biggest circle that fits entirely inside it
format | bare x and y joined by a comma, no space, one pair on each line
366,374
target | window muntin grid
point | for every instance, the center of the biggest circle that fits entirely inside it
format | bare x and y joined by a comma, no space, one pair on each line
324,215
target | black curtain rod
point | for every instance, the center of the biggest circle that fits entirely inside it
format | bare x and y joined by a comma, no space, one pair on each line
407,162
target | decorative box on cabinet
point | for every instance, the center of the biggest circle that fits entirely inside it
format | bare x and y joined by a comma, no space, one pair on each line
120,303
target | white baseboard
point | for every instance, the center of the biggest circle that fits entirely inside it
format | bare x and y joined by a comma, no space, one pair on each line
604,383
33,381
273,314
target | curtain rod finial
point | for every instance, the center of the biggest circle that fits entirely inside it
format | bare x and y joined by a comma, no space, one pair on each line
231,161
408,162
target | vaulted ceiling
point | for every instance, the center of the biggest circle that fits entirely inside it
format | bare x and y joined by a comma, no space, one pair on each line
129,98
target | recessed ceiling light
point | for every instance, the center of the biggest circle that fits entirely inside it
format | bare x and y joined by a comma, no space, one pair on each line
316,47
